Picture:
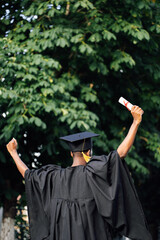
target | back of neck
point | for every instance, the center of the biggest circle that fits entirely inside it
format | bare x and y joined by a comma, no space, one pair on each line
78,161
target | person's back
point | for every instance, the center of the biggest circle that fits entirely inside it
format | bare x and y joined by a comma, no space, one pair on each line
69,203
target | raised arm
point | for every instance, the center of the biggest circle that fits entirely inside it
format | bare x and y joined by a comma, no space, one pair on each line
12,149
127,143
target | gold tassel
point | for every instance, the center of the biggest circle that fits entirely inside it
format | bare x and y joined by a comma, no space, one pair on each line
86,158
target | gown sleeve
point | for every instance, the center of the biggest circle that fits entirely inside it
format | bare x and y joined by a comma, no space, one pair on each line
116,197
38,192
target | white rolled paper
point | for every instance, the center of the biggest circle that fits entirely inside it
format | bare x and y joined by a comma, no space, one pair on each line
125,103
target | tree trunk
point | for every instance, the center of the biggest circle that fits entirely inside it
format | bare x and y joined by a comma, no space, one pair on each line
1,216
7,229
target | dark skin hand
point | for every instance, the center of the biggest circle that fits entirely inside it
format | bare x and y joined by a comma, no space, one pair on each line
12,149
127,143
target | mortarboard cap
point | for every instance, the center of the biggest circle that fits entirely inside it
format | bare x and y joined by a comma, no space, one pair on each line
79,142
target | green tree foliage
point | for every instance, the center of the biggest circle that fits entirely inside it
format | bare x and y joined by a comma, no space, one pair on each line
63,66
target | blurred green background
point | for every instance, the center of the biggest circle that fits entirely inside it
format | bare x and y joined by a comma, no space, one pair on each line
63,67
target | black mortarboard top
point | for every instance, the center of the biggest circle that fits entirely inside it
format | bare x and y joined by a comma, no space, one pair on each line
79,142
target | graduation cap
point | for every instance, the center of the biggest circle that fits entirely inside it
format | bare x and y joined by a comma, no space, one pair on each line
79,142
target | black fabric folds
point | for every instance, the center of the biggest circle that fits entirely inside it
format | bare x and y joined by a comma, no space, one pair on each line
84,202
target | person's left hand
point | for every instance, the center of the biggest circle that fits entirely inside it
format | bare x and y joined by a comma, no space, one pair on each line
12,146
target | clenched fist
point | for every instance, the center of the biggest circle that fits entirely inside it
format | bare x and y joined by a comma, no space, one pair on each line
12,146
137,113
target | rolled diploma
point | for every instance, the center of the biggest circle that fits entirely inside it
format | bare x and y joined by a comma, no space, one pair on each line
125,103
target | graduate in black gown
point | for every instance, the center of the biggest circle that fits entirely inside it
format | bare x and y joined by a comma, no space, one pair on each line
90,200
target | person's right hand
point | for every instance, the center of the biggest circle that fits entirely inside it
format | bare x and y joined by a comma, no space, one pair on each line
137,113
12,146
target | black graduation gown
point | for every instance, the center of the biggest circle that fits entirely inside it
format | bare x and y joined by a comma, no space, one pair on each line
84,202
